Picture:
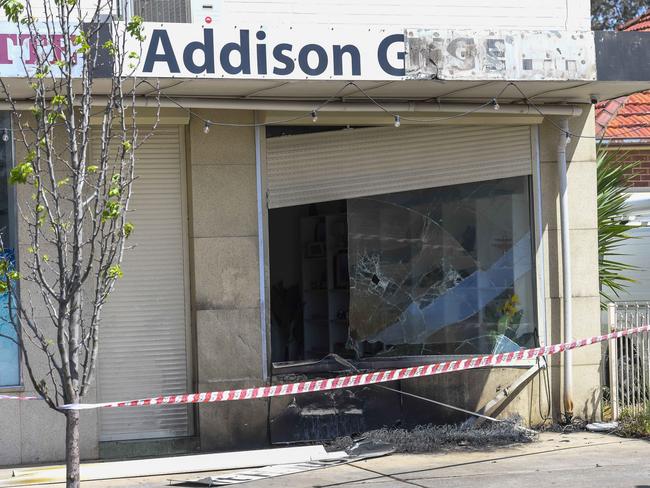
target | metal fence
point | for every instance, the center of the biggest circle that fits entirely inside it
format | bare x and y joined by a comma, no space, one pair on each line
629,358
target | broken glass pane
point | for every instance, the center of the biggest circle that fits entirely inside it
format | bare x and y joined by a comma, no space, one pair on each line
442,271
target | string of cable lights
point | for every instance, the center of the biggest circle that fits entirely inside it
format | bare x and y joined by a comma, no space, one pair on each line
313,114
397,118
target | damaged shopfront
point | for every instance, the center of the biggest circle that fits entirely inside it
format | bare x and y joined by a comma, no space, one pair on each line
391,247
397,198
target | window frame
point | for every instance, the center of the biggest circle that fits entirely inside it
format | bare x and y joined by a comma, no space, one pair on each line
328,365
13,242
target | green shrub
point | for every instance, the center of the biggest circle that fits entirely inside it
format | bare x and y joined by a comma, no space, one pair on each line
635,424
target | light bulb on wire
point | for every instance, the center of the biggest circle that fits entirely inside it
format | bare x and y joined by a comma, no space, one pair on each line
496,104
314,116
5,135
398,122
206,127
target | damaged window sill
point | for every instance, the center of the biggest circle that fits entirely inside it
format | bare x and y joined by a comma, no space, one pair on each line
331,365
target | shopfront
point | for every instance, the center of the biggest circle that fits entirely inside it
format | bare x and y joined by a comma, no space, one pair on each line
344,215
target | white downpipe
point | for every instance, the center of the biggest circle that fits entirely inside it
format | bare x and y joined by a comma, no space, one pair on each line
566,264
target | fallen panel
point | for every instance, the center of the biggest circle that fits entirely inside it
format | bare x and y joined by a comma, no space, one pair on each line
359,451
173,465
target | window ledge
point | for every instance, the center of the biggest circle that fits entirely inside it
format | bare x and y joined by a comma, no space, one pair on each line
330,365
12,389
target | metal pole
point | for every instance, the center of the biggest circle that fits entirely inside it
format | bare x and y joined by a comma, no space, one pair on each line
566,264
261,202
613,361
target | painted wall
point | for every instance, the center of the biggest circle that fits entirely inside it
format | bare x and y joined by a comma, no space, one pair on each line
470,14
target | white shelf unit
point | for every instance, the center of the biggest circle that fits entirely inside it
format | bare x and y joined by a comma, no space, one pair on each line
325,287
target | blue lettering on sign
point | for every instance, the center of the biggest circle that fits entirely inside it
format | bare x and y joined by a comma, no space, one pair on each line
382,55
234,58
159,36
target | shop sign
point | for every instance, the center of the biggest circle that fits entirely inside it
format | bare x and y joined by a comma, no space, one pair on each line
283,52
19,51
321,52
500,55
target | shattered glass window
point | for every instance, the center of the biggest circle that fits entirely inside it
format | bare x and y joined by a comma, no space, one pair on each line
442,271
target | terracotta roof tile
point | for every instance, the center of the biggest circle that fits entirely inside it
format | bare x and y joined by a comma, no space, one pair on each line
638,24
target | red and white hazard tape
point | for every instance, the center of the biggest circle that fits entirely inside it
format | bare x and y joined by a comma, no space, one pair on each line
359,379
12,397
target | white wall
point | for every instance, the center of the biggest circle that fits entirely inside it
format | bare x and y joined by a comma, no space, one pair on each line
636,252
469,14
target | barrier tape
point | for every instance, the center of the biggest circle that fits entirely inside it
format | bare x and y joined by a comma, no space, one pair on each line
12,397
359,379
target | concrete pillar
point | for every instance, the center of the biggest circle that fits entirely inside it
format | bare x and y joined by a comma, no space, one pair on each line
225,276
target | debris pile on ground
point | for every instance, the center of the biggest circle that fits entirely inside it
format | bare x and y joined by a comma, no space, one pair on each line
431,438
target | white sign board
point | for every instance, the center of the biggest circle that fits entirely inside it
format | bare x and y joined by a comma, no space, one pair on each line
18,50
500,55
280,53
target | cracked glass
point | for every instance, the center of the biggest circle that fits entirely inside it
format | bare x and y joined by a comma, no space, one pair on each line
442,271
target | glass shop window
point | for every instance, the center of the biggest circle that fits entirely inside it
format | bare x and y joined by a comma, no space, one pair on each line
9,352
440,271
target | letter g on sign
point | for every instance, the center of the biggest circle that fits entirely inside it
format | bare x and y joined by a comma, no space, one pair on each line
382,55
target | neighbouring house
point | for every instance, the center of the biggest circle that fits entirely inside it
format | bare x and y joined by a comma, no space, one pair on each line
416,216
623,125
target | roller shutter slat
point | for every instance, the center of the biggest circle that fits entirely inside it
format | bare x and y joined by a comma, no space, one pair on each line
334,165
143,349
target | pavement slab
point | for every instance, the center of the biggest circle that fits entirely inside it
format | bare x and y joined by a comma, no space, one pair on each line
576,460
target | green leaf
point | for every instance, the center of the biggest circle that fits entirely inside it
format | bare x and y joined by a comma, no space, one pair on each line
92,169
128,229
115,272
58,100
13,9
81,42
613,178
21,173
135,28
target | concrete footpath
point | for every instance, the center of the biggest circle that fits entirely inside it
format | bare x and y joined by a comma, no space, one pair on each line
568,460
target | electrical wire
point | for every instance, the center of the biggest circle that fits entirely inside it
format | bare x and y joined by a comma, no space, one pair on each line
557,126
398,118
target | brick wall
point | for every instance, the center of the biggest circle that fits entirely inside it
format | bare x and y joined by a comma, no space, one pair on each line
641,178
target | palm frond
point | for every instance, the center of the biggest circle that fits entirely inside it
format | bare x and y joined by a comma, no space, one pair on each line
614,177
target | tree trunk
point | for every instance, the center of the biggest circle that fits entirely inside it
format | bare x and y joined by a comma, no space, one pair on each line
72,449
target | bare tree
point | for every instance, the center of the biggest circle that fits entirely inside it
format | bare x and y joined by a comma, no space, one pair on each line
78,63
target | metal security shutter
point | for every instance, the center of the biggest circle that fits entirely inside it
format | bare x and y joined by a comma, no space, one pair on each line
360,162
143,345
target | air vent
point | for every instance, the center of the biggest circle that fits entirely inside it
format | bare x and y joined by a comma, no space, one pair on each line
176,11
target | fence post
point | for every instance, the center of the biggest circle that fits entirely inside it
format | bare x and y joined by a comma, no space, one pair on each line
613,361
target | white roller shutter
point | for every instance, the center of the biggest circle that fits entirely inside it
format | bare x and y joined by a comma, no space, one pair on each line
143,341
360,162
